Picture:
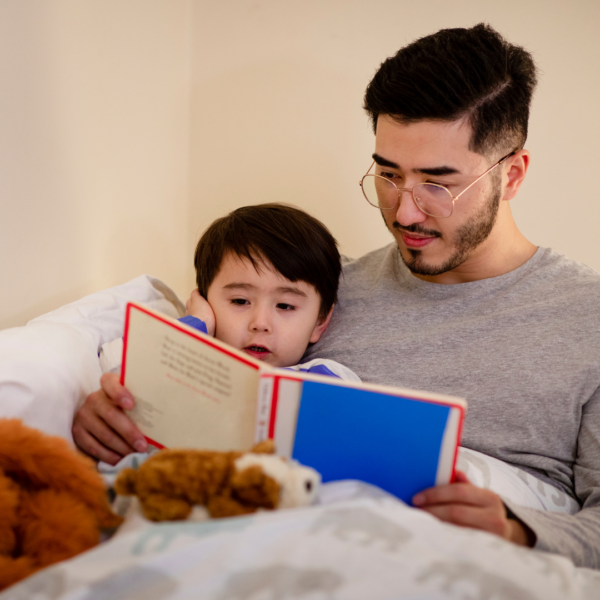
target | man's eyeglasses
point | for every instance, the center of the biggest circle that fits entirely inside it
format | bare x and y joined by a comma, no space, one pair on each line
432,199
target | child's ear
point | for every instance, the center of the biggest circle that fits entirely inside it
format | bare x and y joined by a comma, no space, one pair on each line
320,327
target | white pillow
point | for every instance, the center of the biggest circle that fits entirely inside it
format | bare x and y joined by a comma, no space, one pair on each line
49,366
513,484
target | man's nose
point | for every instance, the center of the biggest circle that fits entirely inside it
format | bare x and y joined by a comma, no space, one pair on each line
408,212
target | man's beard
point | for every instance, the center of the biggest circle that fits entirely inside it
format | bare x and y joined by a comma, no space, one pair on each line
466,238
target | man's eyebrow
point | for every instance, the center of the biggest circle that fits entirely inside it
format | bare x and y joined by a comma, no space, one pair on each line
384,162
434,171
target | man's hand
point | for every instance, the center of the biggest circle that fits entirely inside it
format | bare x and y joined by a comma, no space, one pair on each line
101,428
198,307
464,504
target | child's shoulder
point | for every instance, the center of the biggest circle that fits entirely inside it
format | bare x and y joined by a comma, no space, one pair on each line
325,366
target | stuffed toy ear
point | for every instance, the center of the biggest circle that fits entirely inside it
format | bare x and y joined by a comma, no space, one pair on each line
252,485
265,447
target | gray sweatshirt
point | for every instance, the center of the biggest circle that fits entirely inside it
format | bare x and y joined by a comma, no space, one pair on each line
523,349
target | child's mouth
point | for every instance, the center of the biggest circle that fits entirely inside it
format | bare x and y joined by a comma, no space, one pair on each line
259,352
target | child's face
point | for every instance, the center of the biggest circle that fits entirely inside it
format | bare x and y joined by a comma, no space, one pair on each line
263,313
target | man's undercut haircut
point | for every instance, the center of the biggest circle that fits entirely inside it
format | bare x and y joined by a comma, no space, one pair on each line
298,246
472,74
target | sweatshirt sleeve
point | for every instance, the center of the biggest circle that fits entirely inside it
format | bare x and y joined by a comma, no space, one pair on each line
194,322
318,370
325,366
576,536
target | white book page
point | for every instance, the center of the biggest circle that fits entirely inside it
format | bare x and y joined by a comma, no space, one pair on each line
288,402
187,392
263,409
448,448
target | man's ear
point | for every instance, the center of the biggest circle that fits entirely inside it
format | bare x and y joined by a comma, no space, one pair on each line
517,169
320,327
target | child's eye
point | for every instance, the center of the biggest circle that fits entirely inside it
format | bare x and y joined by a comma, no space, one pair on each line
240,301
284,306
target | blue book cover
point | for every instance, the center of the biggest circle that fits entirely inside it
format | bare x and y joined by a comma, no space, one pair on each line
399,440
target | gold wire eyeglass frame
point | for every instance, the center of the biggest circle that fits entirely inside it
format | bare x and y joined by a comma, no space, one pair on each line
412,190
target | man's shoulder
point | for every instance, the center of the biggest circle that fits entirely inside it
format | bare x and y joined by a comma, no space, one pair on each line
370,265
560,285
375,256
555,266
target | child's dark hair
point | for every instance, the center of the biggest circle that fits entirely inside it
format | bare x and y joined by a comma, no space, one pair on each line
298,246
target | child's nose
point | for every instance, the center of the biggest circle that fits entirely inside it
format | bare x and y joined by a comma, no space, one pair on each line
260,321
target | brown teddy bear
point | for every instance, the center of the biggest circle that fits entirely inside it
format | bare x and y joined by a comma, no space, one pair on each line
53,503
171,482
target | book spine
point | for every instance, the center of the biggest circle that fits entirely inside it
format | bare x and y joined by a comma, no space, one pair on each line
263,408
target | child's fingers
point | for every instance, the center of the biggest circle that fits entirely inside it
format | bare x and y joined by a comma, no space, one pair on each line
120,395
101,417
90,445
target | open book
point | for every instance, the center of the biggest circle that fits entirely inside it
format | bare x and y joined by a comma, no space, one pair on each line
193,391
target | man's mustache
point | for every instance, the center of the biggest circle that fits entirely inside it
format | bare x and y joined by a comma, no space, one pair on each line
416,228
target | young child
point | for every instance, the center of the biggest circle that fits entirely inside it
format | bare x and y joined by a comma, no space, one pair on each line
267,280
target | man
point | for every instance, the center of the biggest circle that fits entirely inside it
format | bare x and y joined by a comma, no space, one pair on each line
462,303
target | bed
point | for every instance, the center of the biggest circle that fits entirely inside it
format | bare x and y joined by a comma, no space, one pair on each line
357,542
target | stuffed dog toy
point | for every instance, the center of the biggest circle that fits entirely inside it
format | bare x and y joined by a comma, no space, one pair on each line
53,503
171,482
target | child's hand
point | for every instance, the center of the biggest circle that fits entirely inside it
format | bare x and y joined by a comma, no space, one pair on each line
101,428
198,307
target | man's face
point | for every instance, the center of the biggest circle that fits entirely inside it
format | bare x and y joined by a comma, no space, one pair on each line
264,314
437,152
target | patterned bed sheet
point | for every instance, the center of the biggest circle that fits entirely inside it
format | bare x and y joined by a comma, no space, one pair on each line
358,543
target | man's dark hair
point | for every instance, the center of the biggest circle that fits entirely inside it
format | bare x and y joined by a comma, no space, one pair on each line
472,74
298,246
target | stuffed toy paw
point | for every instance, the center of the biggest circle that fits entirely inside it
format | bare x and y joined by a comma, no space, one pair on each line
171,482
53,503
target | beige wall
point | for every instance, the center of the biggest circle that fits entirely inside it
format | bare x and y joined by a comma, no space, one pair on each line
127,126
94,148
277,94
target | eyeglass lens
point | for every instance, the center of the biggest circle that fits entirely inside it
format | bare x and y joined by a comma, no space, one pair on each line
433,200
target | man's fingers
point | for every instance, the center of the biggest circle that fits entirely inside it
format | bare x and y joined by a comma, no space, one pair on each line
471,516
460,477
115,391
456,493
466,505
